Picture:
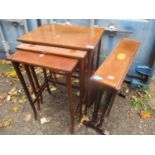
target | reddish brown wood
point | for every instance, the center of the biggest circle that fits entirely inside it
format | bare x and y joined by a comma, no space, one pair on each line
56,63
53,50
110,76
114,69
61,52
68,36
70,101
27,69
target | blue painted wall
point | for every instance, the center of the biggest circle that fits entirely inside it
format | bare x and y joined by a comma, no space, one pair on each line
143,30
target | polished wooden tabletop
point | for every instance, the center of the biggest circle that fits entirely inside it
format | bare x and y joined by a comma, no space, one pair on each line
52,50
68,36
114,69
56,63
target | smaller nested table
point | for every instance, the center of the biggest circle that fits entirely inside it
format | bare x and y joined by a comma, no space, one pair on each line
54,63
63,52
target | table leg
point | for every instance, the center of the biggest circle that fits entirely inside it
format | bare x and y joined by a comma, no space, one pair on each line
111,104
31,83
36,81
97,105
105,107
46,80
98,54
53,77
82,79
90,63
20,76
70,101
91,93
98,124
90,71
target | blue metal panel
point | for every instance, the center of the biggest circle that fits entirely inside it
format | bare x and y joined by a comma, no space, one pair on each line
32,24
44,21
1,46
143,30
2,55
60,20
80,21
11,33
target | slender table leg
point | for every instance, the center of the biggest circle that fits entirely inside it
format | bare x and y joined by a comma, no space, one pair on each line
53,77
108,100
20,76
90,62
36,81
90,95
82,78
97,105
46,80
70,101
98,124
111,104
98,54
31,83
89,70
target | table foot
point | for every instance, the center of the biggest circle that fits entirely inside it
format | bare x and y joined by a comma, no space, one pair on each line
94,125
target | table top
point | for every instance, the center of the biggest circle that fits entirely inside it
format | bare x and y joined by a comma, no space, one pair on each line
68,36
52,50
56,63
114,69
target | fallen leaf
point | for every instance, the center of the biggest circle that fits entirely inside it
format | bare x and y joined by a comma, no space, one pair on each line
13,100
6,122
59,76
11,74
84,118
13,92
76,81
22,100
44,120
53,88
15,109
20,91
2,75
77,93
144,114
3,96
8,98
28,117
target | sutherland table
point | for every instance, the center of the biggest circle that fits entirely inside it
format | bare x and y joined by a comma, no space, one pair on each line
85,38
109,77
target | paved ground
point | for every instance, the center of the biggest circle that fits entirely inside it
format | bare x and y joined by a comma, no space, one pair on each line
16,115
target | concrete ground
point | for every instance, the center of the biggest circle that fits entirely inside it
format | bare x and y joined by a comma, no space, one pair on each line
16,117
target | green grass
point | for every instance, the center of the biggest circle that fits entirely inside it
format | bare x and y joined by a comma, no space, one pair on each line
5,68
140,99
